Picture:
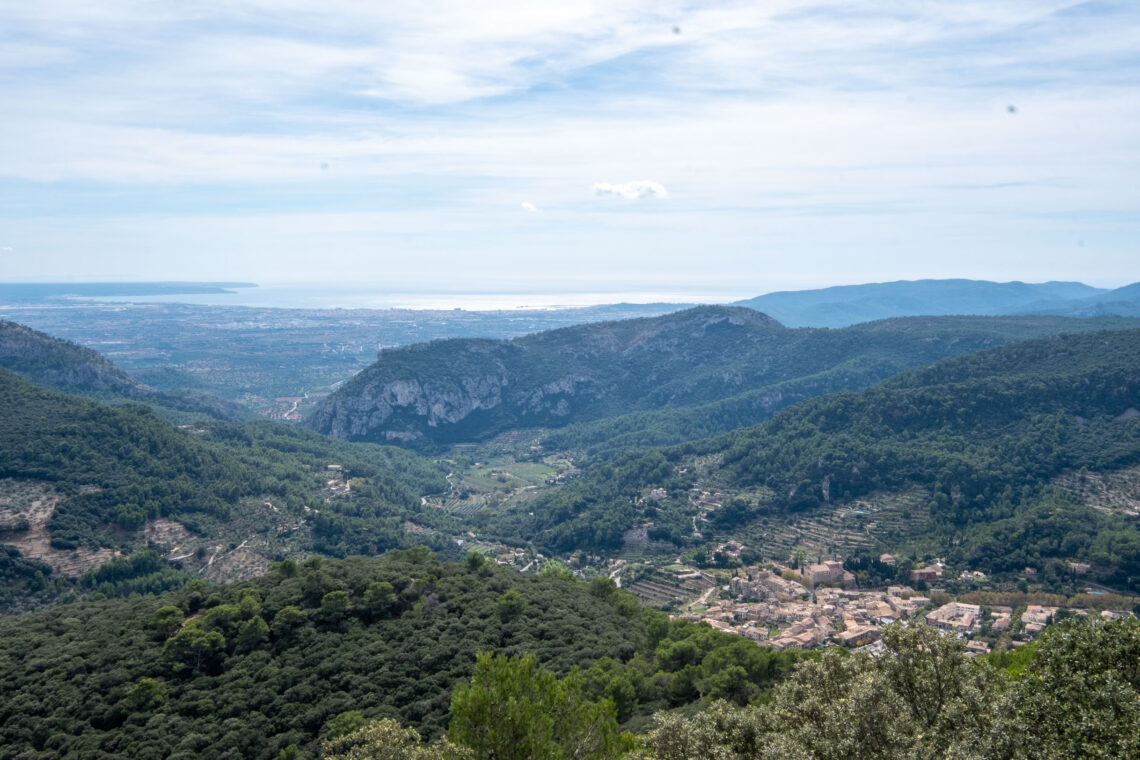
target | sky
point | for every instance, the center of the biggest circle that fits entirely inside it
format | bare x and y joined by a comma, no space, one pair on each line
583,146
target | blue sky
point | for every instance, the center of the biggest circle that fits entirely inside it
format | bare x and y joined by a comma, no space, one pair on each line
735,146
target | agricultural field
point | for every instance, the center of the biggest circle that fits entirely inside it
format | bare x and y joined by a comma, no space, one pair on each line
495,483
1114,492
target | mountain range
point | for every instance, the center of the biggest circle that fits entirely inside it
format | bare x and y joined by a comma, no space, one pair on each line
850,304
727,366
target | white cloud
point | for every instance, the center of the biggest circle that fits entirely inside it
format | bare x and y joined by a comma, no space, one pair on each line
774,117
632,191
7,249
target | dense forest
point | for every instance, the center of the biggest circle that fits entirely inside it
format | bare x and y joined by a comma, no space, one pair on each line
251,669
123,465
846,360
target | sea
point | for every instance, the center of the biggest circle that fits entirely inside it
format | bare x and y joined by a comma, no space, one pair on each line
338,296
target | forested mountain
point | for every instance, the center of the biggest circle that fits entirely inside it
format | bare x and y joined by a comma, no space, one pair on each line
981,434
850,304
71,368
250,669
877,351
741,363
108,472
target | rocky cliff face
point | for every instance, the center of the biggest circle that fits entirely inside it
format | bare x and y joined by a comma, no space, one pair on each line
469,389
393,410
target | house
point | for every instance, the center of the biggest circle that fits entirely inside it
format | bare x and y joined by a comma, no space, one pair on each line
857,636
1036,617
825,572
955,616
928,573
762,585
909,606
888,559
975,648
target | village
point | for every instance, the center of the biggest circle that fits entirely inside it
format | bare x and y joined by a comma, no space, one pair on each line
820,606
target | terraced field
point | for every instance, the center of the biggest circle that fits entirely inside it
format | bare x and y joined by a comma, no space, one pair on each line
1115,492
880,519
670,588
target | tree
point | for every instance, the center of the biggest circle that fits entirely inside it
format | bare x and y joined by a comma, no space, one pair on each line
334,607
387,740
1081,692
287,619
922,698
345,723
147,694
251,633
166,621
510,605
515,710
723,732
195,647
380,599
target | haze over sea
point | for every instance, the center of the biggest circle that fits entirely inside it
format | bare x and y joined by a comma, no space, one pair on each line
339,296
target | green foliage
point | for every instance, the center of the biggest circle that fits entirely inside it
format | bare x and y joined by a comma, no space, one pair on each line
982,434
24,580
1080,694
510,605
144,572
922,698
345,723
254,668
116,468
515,710
251,634
146,695
165,621
385,739
385,637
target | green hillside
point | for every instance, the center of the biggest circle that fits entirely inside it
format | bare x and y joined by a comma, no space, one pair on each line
112,471
248,670
979,435
71,368
876,351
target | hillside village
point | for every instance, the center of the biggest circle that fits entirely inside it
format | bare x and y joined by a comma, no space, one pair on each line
822,607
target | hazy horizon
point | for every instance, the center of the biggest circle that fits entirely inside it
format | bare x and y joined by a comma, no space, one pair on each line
319,295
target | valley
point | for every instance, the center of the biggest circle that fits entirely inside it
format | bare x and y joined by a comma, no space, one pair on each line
569,381
780,493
